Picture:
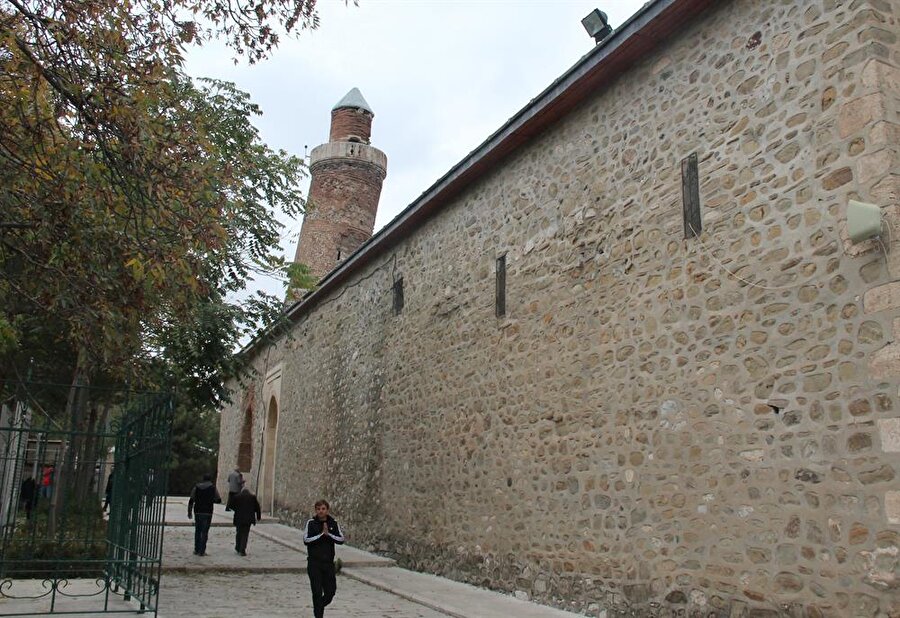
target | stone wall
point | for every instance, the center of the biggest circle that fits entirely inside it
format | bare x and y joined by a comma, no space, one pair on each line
658,426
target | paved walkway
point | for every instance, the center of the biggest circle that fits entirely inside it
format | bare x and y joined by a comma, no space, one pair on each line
271,581
273,547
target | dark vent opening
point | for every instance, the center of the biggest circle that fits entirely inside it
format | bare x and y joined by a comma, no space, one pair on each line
690,195
398,296
500,300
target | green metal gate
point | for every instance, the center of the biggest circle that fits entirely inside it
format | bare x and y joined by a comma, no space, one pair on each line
59,552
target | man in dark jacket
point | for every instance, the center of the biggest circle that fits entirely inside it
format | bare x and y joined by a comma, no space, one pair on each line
203,496
321,535
235,484
28,495
246,513
107,494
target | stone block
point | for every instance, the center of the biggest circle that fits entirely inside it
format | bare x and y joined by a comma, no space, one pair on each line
869,332
885,363
874,165
837,178
892,506
884,133
882,298
891,240
881,474
878,75
860,112
887,190
889,429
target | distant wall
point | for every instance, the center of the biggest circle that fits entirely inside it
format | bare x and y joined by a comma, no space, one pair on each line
706,425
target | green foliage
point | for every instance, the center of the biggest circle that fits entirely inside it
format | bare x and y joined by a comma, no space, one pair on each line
76,549
195,448
135,204
9,340
299,277
141,201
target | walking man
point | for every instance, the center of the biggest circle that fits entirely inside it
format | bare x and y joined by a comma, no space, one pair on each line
246,513
28,495
235,484
107,494
322,532
203,496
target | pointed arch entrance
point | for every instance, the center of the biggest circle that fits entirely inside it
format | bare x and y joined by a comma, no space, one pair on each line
270,443
245,446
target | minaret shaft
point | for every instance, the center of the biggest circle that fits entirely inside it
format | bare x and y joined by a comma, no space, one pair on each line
346,178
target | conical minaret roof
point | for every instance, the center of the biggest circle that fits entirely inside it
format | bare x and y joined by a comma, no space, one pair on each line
353,99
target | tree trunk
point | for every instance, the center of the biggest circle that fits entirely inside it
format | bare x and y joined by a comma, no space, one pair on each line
87,457
62,476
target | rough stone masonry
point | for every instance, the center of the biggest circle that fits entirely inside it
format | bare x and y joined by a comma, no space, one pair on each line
657,426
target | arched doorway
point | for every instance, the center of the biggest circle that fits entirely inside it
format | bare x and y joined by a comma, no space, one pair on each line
267,486
245,446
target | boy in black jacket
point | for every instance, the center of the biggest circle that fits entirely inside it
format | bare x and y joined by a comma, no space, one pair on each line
322,532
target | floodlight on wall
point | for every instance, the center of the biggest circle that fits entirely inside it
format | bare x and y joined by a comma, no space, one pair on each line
863,221
597,25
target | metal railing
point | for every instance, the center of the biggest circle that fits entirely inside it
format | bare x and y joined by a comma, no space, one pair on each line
60,469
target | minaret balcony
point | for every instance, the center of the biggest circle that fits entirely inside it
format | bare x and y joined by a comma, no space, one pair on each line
348,150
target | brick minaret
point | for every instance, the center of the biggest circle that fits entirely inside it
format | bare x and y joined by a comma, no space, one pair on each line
346,176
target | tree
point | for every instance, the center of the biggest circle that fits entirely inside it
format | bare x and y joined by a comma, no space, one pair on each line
132,193
300,280
133,201
195,443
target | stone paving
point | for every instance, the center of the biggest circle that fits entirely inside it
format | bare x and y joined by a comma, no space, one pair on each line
219,595
225,595
24,597
272,546
263,554
271,582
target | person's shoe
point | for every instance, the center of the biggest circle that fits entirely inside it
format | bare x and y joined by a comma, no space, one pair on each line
196,553
203,553
243,553
338,565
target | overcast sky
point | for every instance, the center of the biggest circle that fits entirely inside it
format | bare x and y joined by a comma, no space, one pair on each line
440,75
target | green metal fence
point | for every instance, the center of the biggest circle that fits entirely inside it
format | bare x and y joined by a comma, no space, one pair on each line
63,456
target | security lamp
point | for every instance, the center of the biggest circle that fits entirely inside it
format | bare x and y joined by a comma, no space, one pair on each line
597,25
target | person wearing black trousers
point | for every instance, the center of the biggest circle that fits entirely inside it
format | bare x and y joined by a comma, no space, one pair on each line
107,494
321,535
203,496
246,513
28,495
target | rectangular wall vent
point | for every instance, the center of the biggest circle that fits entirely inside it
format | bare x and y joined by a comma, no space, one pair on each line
398,296
690,196
500,306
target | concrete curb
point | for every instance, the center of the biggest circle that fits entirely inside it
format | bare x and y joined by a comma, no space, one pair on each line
194,570
271,537
240,568
348,563
452,598
214,524
409,596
